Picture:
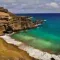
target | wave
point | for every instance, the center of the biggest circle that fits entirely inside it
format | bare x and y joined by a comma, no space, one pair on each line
38,54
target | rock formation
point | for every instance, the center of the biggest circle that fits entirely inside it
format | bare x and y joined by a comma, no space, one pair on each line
9,22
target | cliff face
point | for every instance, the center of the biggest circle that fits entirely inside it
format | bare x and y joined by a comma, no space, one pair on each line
12,23
9,22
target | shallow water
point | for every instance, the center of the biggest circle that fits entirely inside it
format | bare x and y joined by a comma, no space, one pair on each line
45,37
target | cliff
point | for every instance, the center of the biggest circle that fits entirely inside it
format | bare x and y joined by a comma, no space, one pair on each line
9,22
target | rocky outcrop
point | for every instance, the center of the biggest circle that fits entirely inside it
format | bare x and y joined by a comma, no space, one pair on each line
3,10
12,23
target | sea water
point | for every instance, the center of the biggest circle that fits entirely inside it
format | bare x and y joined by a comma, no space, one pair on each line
45,37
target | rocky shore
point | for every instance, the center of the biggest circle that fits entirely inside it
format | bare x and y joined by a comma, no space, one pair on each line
10,22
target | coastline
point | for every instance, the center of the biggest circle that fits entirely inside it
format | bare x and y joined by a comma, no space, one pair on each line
12,52
35,53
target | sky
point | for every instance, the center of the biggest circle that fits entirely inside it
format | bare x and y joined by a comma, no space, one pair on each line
31,6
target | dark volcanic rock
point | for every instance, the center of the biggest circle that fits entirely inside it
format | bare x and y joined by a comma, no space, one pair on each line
52,59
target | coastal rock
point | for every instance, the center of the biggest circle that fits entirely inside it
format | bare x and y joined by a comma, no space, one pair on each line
13,23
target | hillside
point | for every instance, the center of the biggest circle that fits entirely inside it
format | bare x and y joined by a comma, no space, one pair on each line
8,51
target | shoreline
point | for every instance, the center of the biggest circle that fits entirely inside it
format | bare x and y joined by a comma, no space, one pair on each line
10,51
35,53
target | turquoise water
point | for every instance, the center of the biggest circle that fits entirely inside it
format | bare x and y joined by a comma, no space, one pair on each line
45,37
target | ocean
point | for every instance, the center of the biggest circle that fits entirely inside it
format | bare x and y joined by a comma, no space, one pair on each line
45,37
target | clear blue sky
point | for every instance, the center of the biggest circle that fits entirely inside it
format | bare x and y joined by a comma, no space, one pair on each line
32,6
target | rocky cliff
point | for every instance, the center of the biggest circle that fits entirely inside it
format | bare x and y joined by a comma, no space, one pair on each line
10,22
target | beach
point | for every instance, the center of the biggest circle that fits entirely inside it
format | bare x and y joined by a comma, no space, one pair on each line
30,50
11,51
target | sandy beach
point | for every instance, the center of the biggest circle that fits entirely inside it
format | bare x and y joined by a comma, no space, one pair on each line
30,50
12,52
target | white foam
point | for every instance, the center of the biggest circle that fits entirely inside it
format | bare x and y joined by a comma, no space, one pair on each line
45,20
8,39
32,51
